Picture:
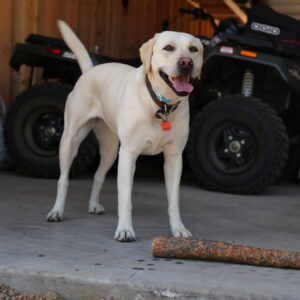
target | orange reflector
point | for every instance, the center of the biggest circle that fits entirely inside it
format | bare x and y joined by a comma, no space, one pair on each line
248,53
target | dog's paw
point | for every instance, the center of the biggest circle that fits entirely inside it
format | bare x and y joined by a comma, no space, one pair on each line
54,216
125,235
181,232
96,210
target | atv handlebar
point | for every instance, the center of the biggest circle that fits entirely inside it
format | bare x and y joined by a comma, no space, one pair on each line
200,14
186,11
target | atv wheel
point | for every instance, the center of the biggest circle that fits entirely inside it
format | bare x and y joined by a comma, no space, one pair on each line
33,129
237,145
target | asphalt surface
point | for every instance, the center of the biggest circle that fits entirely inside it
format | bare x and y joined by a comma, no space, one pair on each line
78,258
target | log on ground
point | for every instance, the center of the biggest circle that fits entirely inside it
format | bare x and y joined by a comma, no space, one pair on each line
191,248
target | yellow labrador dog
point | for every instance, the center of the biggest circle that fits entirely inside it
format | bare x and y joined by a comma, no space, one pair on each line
145,109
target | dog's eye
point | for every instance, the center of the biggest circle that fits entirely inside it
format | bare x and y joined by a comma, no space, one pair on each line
169,48
193,49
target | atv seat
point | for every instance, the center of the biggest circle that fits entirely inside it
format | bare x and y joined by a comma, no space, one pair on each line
281,31
265,22
37,39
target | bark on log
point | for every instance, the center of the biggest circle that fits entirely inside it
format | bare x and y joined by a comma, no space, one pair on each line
191,248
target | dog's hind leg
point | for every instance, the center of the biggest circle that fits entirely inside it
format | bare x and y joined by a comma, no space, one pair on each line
109,145
68,150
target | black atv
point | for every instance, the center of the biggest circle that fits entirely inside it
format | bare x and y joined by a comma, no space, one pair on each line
244,111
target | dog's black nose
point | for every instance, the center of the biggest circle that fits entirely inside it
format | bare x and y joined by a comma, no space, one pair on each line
185,64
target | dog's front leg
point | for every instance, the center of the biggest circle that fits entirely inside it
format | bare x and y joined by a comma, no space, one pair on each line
126,168
172,171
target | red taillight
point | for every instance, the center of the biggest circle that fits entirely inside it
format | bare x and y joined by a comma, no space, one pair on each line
54,51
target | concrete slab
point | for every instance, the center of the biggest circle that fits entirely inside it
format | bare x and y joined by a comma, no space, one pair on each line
79,258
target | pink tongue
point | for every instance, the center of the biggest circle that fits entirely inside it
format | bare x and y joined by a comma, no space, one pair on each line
181,84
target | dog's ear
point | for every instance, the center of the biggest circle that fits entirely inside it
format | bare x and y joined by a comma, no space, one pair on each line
146,53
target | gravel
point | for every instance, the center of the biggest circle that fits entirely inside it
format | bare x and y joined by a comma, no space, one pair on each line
8,293
97,298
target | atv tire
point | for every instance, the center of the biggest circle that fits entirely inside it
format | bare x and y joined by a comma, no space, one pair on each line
33,129
237,145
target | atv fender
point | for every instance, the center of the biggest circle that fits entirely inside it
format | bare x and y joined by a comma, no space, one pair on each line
289,70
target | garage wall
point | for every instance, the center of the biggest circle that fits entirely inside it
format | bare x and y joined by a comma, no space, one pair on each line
118,31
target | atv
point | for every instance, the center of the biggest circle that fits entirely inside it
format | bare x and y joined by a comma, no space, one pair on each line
244,110
244,115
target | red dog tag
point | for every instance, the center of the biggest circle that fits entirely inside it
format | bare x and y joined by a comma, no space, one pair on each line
165,126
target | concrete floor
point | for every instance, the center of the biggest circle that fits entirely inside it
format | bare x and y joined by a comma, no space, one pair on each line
79,258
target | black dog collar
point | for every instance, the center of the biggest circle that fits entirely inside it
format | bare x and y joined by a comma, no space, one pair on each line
165,109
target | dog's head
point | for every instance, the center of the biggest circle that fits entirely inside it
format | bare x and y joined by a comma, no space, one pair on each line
171,59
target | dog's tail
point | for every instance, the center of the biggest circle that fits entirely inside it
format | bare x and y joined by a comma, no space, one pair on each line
76,46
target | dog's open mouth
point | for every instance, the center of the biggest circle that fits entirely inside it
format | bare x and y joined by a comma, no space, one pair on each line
180,85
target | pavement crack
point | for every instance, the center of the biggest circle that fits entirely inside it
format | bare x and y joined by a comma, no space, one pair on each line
132,275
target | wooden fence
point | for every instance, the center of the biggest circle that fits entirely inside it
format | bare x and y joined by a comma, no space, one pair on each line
117,31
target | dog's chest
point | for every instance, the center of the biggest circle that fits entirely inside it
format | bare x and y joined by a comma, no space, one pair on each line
154,145
156,141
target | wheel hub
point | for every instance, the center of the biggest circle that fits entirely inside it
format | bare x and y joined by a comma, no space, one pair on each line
50,131
235,146
232,147
47,129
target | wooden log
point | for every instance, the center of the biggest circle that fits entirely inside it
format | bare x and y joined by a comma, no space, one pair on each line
191,248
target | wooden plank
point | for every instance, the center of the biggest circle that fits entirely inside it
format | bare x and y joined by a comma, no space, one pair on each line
130,42
142,34
6,8
25,19
128,47
87,20
118,35
108,17
101,34
48,14
281,2
160,14
69,11
194,3
236,9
